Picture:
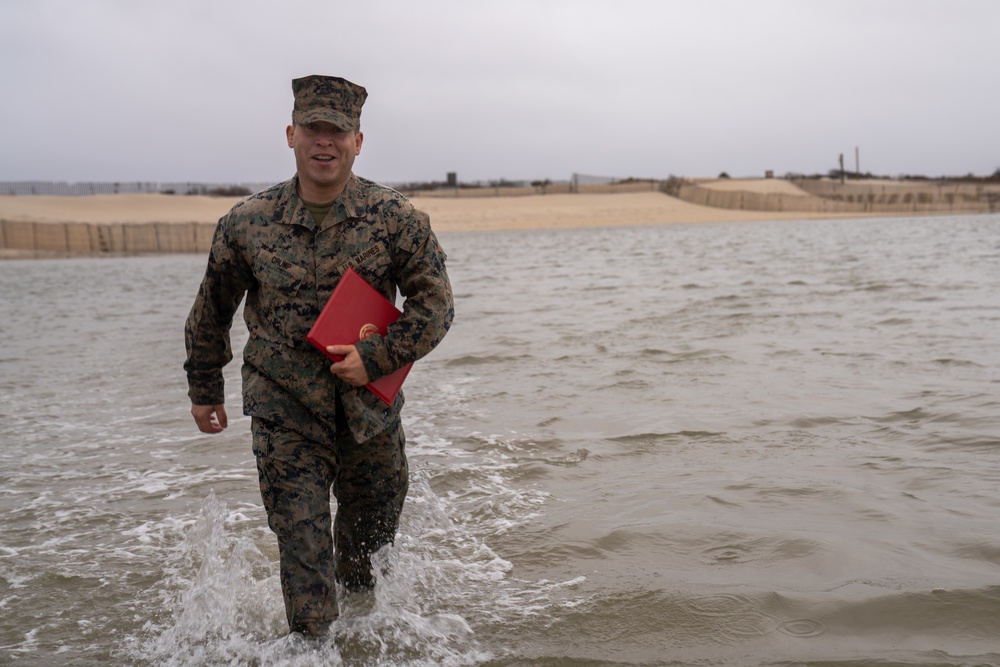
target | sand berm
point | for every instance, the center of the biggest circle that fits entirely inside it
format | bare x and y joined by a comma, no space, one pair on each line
125,224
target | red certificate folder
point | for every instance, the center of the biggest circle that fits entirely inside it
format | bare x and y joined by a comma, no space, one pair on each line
356,311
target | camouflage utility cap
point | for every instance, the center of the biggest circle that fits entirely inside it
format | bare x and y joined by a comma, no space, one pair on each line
330,99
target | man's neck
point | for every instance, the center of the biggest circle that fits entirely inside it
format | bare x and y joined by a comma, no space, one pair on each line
320,196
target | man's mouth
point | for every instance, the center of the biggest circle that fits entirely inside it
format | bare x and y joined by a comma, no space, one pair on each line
323,158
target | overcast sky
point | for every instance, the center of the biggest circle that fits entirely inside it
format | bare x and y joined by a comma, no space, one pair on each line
200,90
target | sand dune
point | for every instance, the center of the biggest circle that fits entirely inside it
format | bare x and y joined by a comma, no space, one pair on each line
115,208
578,210
761,185
447,214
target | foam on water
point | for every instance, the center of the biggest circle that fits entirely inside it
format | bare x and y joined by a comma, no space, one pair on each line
753,444
221,601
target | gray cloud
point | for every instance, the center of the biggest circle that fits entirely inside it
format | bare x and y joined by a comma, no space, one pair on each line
199,90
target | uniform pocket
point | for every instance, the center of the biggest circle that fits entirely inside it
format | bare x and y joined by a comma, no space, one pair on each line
280,301
373,263
277,274
262,443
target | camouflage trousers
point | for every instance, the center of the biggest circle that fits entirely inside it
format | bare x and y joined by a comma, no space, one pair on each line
369,482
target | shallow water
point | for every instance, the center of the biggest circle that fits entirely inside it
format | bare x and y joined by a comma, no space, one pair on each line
715,444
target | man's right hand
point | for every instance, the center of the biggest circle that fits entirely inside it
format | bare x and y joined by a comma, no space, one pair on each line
210,418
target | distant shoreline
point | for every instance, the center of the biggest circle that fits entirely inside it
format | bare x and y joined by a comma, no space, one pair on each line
129,224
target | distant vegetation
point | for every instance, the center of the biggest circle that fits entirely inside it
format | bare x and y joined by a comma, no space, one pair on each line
222,191
541,186
231,191
852,175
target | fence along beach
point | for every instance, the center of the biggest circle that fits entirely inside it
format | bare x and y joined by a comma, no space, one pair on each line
151,222
725,444
770,443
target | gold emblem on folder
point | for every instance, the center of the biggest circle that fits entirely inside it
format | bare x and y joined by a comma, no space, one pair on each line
367,331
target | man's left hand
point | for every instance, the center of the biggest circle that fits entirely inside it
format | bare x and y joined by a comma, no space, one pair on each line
350,369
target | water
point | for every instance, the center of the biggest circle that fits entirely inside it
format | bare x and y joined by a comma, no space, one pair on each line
714,444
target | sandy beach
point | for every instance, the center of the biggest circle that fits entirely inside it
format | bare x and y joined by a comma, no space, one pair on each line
579,210
43,225
447,213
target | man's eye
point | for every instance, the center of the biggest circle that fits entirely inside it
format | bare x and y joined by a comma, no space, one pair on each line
312,127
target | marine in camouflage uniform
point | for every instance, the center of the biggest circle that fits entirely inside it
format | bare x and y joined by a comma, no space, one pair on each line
315,426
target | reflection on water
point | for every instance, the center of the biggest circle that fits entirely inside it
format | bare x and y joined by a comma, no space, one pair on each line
726,444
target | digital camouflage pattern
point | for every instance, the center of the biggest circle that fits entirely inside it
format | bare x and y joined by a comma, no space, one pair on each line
311,430
369,482
329,99
269,248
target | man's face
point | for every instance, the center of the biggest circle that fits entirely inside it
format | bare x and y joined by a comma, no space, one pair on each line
324,157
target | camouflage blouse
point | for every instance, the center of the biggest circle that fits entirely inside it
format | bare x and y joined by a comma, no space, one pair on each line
270,249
